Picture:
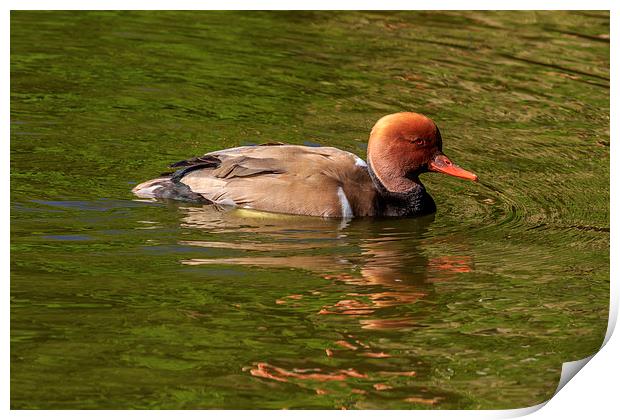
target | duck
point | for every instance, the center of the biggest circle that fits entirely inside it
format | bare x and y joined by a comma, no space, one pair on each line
318,181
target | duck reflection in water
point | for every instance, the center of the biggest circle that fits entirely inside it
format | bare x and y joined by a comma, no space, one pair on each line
381,261
380,256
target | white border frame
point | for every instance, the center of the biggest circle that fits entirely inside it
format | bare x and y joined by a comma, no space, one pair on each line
592,394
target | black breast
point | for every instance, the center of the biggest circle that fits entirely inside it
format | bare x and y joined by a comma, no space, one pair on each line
415,202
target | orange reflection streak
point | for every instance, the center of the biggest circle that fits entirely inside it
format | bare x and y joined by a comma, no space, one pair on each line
300,261
451,264
420,400
386,324
348,307
378,355
266,370
253,246
346,345
390,374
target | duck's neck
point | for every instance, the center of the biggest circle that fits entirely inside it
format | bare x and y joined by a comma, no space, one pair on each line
400,196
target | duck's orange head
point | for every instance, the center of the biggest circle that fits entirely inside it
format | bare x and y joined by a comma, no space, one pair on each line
404,145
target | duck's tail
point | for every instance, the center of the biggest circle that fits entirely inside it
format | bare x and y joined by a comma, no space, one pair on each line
167,187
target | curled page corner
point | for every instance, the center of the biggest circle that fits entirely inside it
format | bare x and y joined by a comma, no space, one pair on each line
569,370
520,412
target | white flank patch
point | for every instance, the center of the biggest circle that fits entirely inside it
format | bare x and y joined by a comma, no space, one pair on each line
227,202
360,162
344,204
148,192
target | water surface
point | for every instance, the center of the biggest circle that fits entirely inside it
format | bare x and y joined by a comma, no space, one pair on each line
122,303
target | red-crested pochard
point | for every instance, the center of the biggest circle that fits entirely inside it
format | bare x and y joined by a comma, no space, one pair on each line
319,181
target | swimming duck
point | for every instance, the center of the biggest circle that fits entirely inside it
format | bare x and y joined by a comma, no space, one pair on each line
319,181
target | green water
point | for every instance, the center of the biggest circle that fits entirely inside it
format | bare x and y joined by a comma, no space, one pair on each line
121,303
